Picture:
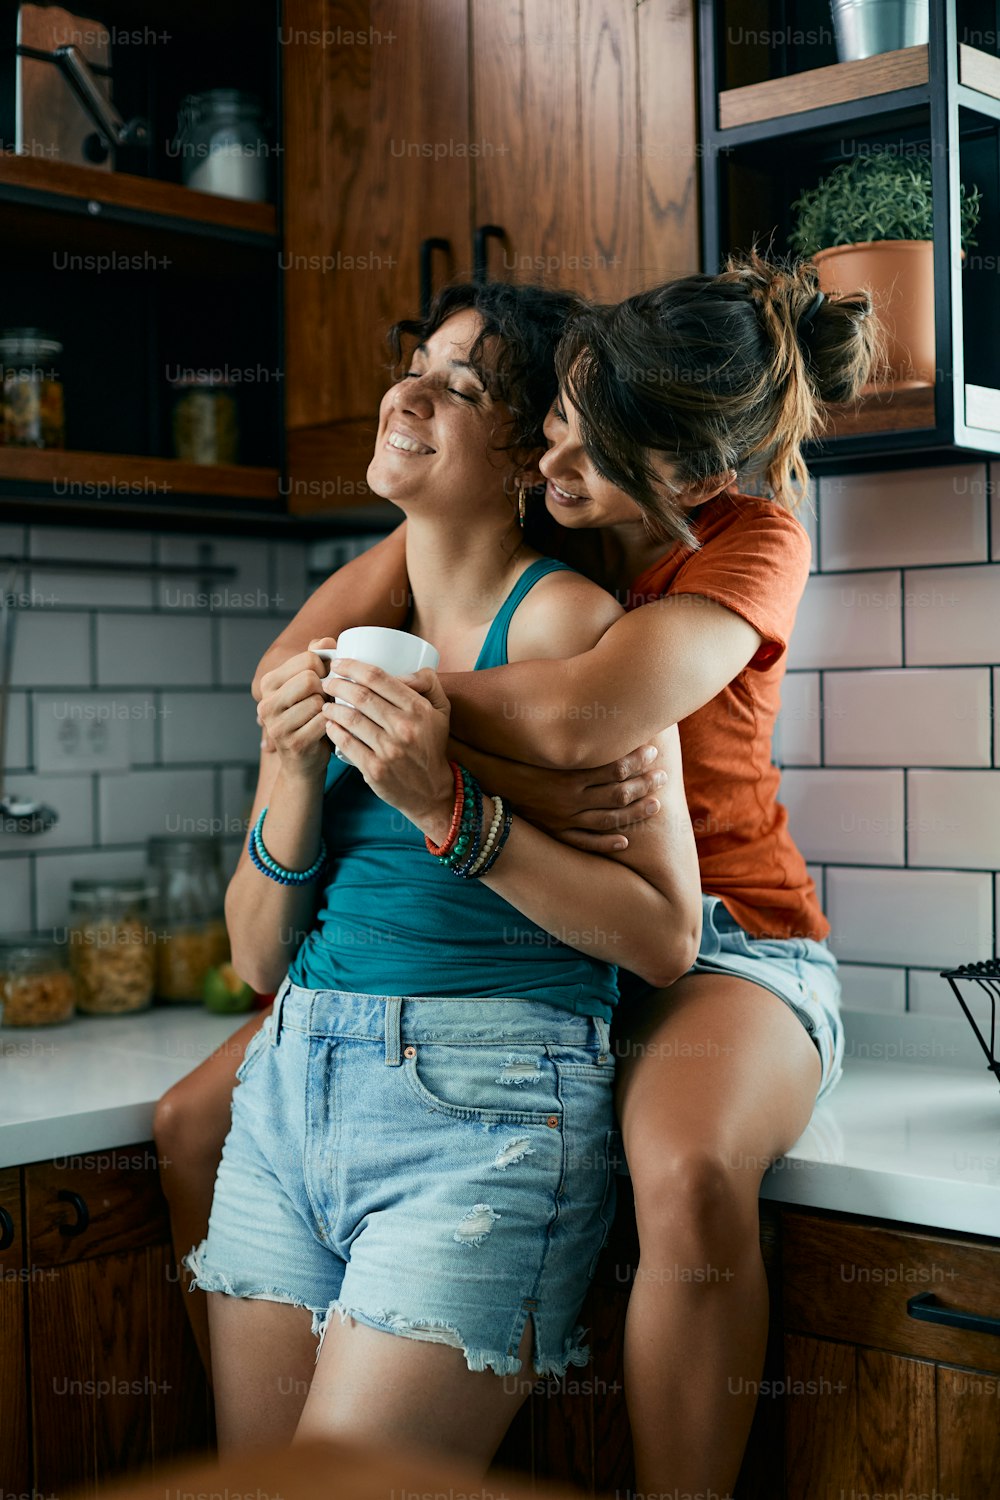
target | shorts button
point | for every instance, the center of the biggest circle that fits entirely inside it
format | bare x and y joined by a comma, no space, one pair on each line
603,1057
409,1051
552,1121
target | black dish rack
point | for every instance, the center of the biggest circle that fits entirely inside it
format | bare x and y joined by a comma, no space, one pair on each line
987,976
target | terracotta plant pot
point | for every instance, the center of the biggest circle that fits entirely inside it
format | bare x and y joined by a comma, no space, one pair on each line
900,276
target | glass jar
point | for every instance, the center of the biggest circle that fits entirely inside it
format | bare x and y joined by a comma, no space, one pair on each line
220,141
112,946
36,987
190,922
31,412
205,426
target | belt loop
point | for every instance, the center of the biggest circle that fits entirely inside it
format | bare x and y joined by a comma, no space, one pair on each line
603,1035
279,1001
393,1011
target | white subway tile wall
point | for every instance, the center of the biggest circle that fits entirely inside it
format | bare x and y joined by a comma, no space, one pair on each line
910,717
902,519
172,659
848,620
896,801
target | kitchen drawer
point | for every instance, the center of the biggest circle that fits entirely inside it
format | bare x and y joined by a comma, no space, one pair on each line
96,1204
852,1282
11,1226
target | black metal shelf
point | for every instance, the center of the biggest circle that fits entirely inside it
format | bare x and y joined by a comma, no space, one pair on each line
750,173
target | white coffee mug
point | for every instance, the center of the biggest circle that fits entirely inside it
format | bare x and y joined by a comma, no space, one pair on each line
395,651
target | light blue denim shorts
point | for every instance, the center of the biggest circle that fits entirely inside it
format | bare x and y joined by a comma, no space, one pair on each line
800,971
435,1168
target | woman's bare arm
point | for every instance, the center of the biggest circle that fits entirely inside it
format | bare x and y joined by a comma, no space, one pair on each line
372,589
651,668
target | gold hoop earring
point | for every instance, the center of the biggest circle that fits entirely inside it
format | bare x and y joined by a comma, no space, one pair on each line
521,503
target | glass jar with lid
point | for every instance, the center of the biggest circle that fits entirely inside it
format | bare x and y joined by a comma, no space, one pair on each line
205,419
36,987
188,910
112,945
31,412
220,141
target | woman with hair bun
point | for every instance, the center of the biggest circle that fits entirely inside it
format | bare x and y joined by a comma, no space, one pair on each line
668,402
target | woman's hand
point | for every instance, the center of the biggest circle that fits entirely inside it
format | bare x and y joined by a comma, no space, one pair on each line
396,733
291,715
591,809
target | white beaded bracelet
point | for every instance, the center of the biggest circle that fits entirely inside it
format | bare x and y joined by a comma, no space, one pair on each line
491,837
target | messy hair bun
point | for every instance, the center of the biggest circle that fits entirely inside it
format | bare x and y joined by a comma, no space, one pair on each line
715,373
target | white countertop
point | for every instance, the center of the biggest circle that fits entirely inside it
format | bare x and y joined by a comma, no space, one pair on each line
895,1140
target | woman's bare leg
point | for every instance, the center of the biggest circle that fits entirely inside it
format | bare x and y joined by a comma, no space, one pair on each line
383,1389
716,1078
190,1125
264,1356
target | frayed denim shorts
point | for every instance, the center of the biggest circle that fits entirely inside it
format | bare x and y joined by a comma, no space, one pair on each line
435,1168
800,971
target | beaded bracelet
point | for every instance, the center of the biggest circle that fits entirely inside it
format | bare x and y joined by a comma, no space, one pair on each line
498,848
268,866
464,868
456,817
471,815
491,838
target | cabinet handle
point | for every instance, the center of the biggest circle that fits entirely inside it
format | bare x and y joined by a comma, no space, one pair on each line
480,250
427,248
82,1213
927,1309
6,1229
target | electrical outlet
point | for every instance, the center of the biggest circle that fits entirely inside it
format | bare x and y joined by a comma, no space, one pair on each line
81,732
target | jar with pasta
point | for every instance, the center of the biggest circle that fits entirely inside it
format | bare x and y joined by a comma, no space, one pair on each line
31,396
186,875
36,987
112,946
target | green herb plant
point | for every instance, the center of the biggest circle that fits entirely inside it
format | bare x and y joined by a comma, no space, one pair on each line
874,198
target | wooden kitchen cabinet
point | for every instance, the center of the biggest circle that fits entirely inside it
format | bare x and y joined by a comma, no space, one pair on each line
15,1468
107,1379
879,1401
570,130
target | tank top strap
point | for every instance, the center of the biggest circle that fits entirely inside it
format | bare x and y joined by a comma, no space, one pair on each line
494,652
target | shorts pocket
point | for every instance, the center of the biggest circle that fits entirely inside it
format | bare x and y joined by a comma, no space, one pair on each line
519,1086
255,1047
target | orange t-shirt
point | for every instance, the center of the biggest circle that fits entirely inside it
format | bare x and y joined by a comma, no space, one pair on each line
754,559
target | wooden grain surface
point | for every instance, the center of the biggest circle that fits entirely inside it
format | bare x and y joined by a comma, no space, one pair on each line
145,477
119,189
852,1282
817,87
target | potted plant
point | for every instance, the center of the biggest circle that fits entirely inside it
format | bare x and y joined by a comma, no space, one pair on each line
870,223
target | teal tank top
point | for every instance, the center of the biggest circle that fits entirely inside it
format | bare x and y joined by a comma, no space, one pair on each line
392,921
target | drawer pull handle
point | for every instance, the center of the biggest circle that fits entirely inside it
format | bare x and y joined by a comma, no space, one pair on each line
427,248
480,250
6,1229
82,1213
927,1309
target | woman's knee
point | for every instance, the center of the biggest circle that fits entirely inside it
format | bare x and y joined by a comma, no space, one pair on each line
183,1128
695,1205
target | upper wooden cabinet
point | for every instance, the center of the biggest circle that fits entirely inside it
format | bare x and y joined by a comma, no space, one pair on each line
570,128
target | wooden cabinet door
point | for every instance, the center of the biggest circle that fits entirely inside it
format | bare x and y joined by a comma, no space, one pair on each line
377,160
115,1381
584,120
15,1469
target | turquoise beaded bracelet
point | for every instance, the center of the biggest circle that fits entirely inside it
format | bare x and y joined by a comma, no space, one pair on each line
268,866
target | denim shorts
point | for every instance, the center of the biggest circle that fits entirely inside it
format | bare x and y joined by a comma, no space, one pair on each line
800,971
442,1169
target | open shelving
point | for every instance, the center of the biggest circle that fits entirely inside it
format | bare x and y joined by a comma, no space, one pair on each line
776,118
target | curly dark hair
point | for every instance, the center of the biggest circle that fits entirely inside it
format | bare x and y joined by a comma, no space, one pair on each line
519,369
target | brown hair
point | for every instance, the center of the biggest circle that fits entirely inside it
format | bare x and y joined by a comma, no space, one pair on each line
514,354
715,373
